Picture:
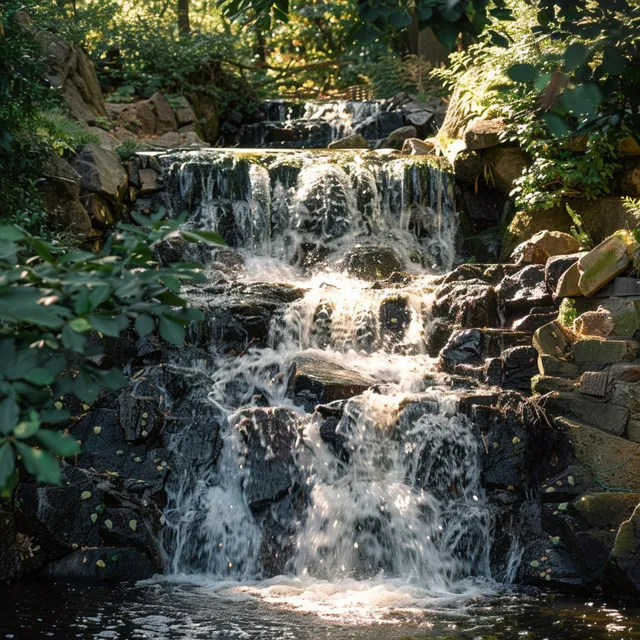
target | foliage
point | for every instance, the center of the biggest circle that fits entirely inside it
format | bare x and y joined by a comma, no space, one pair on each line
127,149
53,305
567,312
578,230
592,84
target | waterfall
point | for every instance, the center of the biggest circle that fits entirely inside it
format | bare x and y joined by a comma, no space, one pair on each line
378,484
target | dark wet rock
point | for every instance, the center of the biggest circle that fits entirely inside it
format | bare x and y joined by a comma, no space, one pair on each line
353,141
140,412
506,165
105,564
328,432
490,273
606,510
10,552
520,365
395,318
395,140
609,417
526,288
372,262
269,439
532,322
327,381
59,517
101,172
556,266
482,134
551,366
123,527
483,208
550,561
624,563
470,304
542,384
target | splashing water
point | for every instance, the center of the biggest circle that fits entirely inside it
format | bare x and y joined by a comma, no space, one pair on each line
373,502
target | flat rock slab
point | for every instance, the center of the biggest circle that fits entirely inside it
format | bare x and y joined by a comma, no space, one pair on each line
622,287
614,460
606,261
327,380
610,418
603,352
606,510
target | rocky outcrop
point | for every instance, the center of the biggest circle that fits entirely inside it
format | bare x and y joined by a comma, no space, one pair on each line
354,141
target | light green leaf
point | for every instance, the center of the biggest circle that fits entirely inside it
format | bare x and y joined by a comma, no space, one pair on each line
106,325
171,331
39,377
39,463
59,443
80,325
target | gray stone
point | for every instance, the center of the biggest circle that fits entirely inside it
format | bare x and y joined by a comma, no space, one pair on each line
101,172
552,339
353,141
602,352
608,417
395,140
556,266
506,165
417,147
526,288
372,262
165,118
469,304
552,366
482,134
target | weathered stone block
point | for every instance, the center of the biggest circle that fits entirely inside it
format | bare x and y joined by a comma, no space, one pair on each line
593,350
605,416
552,339
551,366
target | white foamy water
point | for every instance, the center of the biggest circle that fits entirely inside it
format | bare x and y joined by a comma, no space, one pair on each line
371,508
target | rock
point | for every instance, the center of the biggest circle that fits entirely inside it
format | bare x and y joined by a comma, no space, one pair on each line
100,211
418,119
105,139
483,208
608,260
60,516
104,564
520,365
629,146
542,384
606,510
614,459
101,172
626,394
525,288
544,245
184,114
625,313
506,166
149,182
557,266
569,283
353,141
534,321
372,262
482,134
269,439
468,304
61,190
605,416
140,411
396,139
630,181
192,139
417,147
594,383
165,118
327,381
168,140
604,216
551,366
625,555
468,167
552,340
463,347
598,323
602,352
10,556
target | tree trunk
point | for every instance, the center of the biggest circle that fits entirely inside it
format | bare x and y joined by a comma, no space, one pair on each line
184,27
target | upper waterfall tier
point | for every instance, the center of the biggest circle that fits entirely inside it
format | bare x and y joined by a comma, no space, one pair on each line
313,125
311,207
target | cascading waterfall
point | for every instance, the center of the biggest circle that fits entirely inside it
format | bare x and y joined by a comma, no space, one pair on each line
380,488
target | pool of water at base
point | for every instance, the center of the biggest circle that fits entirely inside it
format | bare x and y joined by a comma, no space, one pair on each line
159,610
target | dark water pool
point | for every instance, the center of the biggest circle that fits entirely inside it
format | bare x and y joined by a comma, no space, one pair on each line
187,611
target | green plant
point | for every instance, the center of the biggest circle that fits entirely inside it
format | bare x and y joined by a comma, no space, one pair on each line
52,301
578,231
62,134
567,312
127,149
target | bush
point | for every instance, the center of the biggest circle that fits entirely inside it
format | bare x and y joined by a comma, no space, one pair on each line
52,301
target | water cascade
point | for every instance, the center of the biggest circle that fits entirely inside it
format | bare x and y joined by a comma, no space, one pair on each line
341,459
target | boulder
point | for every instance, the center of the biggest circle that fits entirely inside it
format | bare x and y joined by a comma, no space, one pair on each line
101,172
100,211
506,165
149,182
569,283
615,460
519,366
328,381
557,266
630,181
551,366
534,321
468,167
605,416
417,147
552,340
608,260
625,555
61,190
597,352
598,323
542,384
525,288
605,215
10,551
269,437
396,139
544,245
105,139
467,304
353,141
606,510
103,564
165,118
482,134
372,262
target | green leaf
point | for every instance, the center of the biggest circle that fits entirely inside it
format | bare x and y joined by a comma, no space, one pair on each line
144,325
613,63
85,387
106,325
9,416
54,416
141,220
557,125
171,282
80,325
171,331
39,463
39,377
400,19
113,379
365,35
447,34
7,463
83,302
27,428
98,296
575,56
11,233
582,99
522,72
56,441
72,340
211,237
